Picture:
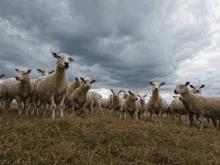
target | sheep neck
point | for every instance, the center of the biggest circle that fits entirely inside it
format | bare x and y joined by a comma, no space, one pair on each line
25,86
187,96
60,75
155,95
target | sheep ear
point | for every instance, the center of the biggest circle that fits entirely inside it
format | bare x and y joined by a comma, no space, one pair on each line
111,90
55,55
39,70
145,95
93,81
129,92
76,79
151,83
120,91
82,79
191,86
174,96
137,91
2,75
187,83
17,70
51,71
161,84
202,86
71,59
139,95
29,71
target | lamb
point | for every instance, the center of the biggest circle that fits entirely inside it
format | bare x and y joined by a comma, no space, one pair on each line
117,103
156,104
54,87
201,104
107,104
20,90
132,105
82,97
143,106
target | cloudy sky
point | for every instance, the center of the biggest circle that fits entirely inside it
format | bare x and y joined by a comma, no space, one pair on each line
122,44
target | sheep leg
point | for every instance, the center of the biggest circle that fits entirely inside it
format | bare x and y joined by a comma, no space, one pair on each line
150,116
44,109
60,106
154,117
53,106
26,103
195,121
83,108
213,121
159,117
32,105
180,119
19,102
201,117
208,119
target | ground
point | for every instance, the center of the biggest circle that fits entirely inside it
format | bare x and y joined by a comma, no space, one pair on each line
104,140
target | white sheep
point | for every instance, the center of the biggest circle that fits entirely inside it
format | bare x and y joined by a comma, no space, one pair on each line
54,87
96,101
201,104
107,105
143,106
82,97
20,90
132,105
125,95
156,104
117,103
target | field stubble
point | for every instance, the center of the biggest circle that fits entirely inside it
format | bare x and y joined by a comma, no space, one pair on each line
104,140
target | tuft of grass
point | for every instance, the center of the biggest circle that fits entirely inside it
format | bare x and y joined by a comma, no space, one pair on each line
104,140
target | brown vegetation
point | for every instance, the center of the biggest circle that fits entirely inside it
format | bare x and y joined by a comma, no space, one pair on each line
104,140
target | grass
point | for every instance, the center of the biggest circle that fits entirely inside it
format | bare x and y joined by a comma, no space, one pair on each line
104,140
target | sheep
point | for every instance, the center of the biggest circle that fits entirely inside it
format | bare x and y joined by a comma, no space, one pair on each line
82,97
107,104
132,105
97,101
177,106
156,104
35,101
53,88
20,90
71,88
168,112
201,104
117,103
143,106
125,95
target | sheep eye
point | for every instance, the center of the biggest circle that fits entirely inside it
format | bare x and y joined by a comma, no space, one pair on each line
24,73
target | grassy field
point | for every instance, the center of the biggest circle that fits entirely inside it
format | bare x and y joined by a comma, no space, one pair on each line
104,140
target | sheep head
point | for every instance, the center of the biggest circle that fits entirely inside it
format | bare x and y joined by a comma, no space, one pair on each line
116,94
45,72
23,75
181,88
197,88
86,84
2,75
133,95
156,86
63,60
142,98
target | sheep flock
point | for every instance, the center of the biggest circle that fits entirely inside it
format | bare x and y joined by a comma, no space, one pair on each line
52,89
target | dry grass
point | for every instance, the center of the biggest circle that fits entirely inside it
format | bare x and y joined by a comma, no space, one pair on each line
104,140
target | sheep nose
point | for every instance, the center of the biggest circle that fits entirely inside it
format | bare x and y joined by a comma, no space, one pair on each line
115,96
156,89
136,98
197,91
66,63
175,91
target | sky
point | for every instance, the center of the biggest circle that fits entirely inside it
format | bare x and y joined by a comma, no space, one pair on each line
122,44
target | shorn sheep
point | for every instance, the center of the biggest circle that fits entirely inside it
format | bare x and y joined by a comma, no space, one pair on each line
54,87
82,97
20,90
143,106
156,104
201,104
117,103
132,105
